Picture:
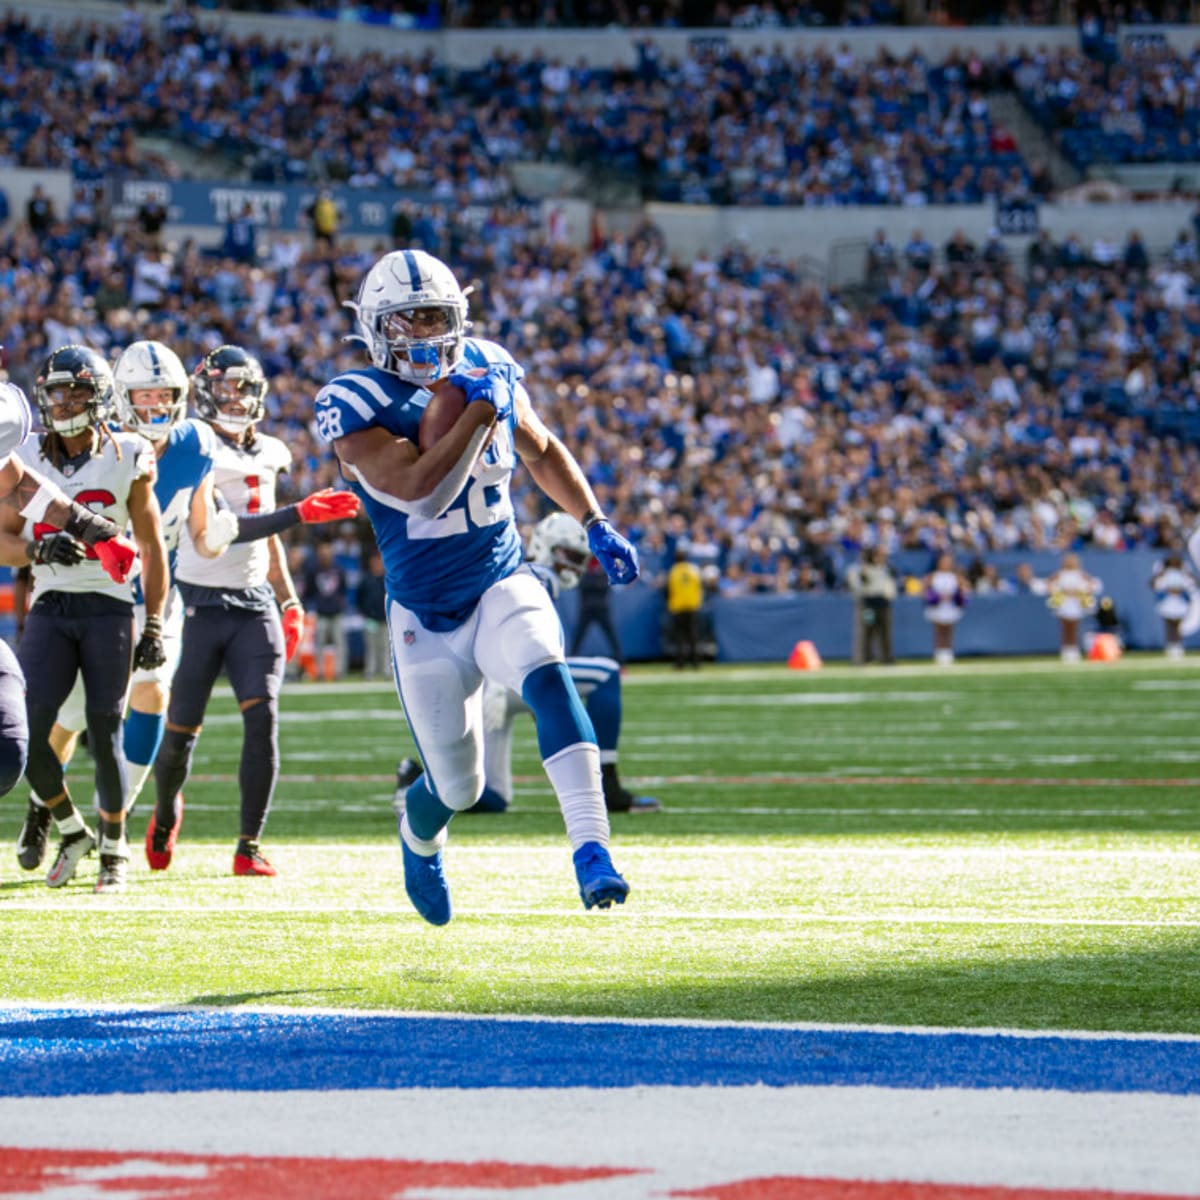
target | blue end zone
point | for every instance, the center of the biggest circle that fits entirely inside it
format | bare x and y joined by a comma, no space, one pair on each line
50,1052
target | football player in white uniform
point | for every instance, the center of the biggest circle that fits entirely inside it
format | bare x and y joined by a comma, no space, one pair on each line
558,554
462,605
232,605
81,620
25,492
152,393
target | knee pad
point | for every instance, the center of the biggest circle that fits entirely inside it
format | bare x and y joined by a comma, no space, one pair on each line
557,710
176,748
104,733
260,724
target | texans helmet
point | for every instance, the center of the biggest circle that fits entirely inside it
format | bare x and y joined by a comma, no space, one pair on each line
68,369
225,376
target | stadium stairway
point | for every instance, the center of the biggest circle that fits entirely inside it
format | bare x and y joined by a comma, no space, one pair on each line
1032,140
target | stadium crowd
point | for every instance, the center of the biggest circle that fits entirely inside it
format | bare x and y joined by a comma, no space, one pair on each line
1102,109
720,125
968,403
964,402
713,127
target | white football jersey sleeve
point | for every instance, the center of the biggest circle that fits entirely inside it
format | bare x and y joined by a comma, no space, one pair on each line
15,420
246,479
102,484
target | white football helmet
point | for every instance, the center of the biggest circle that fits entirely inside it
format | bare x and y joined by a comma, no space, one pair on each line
145,365
560,543
412,315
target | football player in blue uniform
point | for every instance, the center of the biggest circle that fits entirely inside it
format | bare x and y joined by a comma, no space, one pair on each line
558,554
462,605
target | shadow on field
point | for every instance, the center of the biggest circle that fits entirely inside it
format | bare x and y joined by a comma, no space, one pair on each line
1153,990
233,999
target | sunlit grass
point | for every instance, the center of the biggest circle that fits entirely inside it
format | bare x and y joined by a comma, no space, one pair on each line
996,845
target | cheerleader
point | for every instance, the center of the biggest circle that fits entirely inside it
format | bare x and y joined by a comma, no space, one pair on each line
1072,595
1176,595
945,591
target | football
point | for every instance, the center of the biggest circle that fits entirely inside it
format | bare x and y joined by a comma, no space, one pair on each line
445,406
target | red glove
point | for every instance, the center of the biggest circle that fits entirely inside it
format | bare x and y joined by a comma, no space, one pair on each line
293,627
116,556
328,505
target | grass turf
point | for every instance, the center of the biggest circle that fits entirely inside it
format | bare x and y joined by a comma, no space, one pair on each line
1001,844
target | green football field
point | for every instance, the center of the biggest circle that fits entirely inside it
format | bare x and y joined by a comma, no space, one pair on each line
1000,844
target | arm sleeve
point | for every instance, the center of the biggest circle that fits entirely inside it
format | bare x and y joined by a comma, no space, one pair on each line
257,526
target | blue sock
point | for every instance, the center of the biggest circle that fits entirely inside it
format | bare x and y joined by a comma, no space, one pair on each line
557,710
142,736
427,815
604,708
490,802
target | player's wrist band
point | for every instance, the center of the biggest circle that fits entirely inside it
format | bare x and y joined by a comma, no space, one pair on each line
152,627
47,494
89,527
289,604
592,517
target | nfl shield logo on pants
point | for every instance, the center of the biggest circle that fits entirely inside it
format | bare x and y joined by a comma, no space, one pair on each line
410,636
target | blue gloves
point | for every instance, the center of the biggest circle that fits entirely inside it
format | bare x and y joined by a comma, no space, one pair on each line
617,555
495,386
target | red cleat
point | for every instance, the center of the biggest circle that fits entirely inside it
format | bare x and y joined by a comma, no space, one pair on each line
252,862
160,843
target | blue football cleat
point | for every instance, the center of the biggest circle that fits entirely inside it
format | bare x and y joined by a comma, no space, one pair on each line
600,883
425,883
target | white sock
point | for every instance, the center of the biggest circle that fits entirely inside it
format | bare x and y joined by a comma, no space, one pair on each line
426,849
137,774
575,775
117,846
70,824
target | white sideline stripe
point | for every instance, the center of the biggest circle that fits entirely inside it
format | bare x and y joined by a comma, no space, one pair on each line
238,904
1085,1035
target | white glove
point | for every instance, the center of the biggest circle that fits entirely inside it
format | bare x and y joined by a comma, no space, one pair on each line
220,530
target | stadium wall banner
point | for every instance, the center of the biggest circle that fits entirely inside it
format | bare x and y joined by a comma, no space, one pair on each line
836,233
764,628
278,207
1017,218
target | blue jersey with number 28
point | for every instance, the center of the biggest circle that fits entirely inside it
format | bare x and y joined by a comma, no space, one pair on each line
436,567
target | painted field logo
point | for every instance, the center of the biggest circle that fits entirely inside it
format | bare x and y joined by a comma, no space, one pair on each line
123,1176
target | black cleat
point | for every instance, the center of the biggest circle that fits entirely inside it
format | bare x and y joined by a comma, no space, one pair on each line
31,845
626,802
408,771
